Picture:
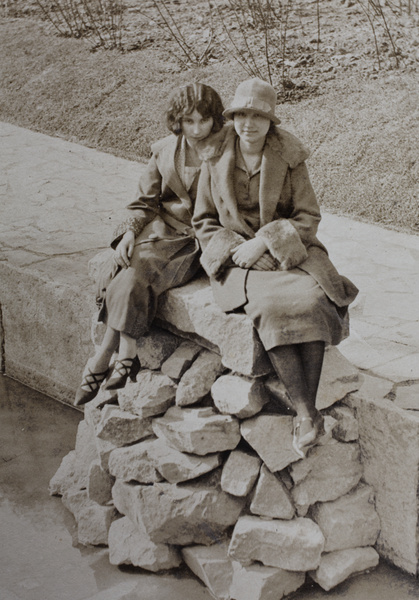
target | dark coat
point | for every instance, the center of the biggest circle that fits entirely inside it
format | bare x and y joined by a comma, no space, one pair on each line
289,218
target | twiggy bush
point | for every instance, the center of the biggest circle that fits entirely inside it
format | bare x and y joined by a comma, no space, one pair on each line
185,52
100,21
254,33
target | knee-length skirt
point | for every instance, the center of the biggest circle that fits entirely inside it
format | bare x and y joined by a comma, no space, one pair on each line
290,307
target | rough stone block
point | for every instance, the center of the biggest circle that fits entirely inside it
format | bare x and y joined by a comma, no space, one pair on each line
271,437
93,523
389,439
294,545
337,566
197,381
181,359
177,466
240,472
257,582
152,394
198,430
192,311
213,567
104,449
346,429
339,377
350,521
99,484
86,451
75,501
132,463
235,395
129,544
196,513
121,427
92,413
156,347
271,498
66,476
327,473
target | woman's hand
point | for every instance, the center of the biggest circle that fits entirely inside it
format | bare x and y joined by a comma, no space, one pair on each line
265,263
249,252
124,249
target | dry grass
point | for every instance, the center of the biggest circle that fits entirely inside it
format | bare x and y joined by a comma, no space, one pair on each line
360,124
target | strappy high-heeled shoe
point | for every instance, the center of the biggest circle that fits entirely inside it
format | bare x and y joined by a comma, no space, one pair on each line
302,444
90,386
122,370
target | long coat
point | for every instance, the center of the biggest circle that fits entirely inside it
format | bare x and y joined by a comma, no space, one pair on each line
162,194
289,218
160,217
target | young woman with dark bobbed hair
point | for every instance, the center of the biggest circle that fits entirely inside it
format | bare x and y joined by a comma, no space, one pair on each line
155,247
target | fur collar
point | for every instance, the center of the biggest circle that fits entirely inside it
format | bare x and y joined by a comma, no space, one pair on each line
284,143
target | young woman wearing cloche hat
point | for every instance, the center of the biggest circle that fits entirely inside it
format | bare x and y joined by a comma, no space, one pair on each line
256,217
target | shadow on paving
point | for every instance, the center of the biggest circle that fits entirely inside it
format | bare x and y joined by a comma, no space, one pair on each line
41,561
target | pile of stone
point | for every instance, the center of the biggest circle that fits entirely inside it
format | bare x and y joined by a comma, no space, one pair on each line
193,463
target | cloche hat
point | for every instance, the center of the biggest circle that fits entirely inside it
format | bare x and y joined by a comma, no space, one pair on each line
254,95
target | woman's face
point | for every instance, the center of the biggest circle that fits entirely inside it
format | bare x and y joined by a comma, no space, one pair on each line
251,127
195,127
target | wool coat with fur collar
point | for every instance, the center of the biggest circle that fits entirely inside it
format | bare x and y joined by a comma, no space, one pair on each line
289,218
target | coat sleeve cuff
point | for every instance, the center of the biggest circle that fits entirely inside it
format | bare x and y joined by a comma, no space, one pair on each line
130,224
284,243
218,251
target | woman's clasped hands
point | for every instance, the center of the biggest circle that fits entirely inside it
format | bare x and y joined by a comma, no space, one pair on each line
253,254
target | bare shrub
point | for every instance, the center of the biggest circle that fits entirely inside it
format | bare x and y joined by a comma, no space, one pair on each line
383,14
186,53
100,21
254,33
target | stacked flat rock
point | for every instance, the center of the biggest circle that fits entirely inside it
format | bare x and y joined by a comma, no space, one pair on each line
194,463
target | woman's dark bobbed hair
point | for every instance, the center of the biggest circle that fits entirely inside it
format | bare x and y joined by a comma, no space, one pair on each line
187,98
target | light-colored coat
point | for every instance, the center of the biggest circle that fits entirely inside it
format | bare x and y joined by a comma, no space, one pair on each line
162,194
289,218
160,215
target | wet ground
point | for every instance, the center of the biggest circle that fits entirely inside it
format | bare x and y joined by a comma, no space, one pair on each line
38,558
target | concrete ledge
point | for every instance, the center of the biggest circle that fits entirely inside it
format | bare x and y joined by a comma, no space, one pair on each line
389,439
46,337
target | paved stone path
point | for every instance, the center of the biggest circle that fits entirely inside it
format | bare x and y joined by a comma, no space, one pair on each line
59,203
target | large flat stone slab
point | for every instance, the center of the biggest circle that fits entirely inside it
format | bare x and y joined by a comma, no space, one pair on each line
191,312
291,545
389,441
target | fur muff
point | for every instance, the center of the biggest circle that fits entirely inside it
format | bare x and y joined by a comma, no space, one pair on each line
284,243
218,251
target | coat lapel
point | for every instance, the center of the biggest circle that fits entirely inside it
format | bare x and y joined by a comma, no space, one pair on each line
272,174
223,174
171,179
